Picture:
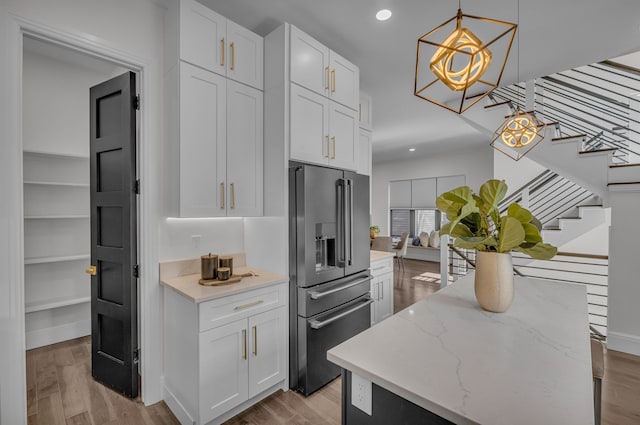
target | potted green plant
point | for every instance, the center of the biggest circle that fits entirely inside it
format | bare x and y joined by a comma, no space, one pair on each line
475,223
373,231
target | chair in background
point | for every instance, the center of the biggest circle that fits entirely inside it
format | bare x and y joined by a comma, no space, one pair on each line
401,249
597,370
381,243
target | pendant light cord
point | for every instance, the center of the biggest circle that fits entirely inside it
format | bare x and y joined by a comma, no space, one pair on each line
518,63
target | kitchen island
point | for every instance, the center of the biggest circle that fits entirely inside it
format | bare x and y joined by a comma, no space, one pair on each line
444,360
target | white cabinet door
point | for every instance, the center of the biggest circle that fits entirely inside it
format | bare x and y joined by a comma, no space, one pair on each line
344,81
365,111
343,137
375,286
364,153
423,193
223,370
309,126
384,307
244,151
202,141
309,62
245,51
202,36
267,344
400,194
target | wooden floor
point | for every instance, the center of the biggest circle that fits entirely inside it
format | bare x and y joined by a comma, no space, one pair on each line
60,389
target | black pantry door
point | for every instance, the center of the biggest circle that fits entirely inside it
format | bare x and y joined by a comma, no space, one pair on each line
114,270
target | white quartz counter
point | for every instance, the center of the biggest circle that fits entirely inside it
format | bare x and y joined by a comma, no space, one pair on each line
378,255
182,276
530,365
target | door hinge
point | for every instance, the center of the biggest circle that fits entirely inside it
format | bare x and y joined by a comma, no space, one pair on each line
136,187
136,355
136,103
136,271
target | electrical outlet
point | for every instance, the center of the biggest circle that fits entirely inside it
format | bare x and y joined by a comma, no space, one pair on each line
195,240
361,393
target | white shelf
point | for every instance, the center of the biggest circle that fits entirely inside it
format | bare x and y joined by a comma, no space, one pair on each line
42,183
43,260
34,306
55,217
55,154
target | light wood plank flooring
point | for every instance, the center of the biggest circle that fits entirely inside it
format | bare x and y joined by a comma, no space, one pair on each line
60,389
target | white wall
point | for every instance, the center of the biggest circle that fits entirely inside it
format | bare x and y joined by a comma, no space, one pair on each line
624,287
515,173
475,164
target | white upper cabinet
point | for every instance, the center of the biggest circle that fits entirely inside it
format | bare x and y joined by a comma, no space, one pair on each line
211,41
364,153
344,137
365,111
322,70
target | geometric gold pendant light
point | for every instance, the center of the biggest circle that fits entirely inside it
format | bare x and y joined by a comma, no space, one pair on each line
455,68
520,133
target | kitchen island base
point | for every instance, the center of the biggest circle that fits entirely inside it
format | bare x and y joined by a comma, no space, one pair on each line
386,408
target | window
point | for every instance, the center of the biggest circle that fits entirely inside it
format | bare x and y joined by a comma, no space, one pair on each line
425,221
400,222
414,221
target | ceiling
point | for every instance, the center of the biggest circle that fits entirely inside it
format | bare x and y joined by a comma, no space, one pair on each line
554,35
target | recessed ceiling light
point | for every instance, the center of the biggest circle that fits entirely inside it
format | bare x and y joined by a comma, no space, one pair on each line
412,149
383,14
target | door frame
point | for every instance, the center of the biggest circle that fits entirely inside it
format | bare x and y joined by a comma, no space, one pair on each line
12,365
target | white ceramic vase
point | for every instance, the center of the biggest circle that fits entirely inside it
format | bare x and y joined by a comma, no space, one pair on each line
494,281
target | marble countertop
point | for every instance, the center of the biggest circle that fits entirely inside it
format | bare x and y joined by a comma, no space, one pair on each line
182,276
529,365
379,255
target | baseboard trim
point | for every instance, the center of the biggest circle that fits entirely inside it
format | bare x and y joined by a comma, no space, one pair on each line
176,408
626,343
41,337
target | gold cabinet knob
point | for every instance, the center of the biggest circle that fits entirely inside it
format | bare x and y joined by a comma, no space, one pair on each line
92,270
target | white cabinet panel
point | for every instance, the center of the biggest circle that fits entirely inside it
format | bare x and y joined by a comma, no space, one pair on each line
400,194
202,36
364,153
344,137
345,81
223,373
309,62
365,111
267,350
245,55
202,142
423,193
381,289
309,126
244,150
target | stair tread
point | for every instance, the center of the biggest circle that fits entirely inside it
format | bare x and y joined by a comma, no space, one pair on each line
621,183
635,164
557,139
590,205
598,151
526,112
551,228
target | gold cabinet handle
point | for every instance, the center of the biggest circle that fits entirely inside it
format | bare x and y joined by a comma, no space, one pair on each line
92,270
327,85
233,55
233,195
243,306
327,140
255,341
333,80
222,195
244,344
334,147
222,52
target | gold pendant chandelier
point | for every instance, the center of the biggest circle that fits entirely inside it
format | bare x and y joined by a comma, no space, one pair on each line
520,133
462,60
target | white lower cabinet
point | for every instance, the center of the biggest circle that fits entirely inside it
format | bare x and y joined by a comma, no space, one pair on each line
381,289
239,354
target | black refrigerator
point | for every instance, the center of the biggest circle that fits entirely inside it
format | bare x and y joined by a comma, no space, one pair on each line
328,268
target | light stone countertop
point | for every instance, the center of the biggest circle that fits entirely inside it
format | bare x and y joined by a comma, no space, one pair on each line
378,255
182,276
529,365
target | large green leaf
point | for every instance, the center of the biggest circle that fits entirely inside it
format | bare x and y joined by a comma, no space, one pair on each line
470,243
523,215
531,233
457,204
511,234
491,193
540,251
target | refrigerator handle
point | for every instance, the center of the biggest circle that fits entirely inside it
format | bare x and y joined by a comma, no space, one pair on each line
350,187
342,215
